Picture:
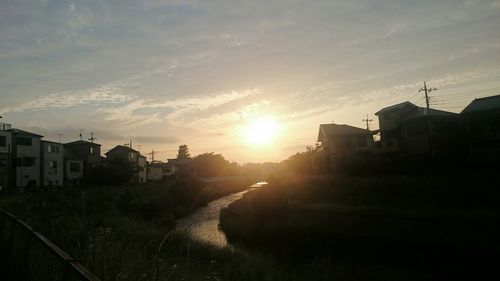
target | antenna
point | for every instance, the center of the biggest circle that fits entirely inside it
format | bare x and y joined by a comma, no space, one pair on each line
81,134
426,91
367,122
92,139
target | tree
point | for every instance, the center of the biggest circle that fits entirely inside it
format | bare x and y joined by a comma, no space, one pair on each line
183,152
212,165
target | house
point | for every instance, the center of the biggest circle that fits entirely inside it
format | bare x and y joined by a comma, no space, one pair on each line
183,167
482,127
389,126
25,158
159,171
73,168
408,130
138,162
142,168
87,152
344,143
52,159
5,155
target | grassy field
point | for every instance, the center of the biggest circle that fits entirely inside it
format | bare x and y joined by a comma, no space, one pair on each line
125,233
418,222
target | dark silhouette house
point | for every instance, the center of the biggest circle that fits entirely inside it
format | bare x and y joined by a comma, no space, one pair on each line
408,130
87,152
132,156
482,127
343,143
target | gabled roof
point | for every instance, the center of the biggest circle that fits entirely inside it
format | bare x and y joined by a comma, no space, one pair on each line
396,107
331,130
483,104
421,112
120,148
81,142
18,131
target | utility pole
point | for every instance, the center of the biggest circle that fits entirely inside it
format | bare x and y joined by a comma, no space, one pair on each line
367,122
152,155
59,137
92,139
426,91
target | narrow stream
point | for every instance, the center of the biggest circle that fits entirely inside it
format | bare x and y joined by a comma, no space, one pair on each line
204,223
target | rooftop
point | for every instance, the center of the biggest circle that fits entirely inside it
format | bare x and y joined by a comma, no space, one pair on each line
483,104
421,111
331,130
122,148
81,142
396,107
22,132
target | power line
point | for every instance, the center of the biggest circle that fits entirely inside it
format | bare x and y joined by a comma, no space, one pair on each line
472,83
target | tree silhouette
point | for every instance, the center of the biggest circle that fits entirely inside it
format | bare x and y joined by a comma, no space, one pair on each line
213,165
183,152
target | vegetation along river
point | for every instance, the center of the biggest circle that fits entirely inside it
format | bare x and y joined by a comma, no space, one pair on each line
204,223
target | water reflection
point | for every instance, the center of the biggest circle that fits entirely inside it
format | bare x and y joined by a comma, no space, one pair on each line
204,223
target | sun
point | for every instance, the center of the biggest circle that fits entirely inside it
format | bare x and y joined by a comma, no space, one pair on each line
261,131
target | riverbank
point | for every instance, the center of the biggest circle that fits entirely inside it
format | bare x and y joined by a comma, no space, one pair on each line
115,231
393,221
125,233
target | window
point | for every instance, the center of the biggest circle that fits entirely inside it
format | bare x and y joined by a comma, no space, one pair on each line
91,150
52,148
75,167
26,162
132,155
24,141
3,141
52,167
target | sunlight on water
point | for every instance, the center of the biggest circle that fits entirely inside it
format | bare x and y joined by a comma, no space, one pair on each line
204,223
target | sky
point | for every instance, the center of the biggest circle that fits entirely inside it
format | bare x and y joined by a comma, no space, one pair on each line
165,73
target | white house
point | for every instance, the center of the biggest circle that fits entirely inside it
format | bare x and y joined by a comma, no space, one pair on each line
158,171
52,154
5,155
26,152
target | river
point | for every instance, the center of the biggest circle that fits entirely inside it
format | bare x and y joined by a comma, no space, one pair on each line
204,223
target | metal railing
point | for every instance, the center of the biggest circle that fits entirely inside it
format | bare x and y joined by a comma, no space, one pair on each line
5,126
28,256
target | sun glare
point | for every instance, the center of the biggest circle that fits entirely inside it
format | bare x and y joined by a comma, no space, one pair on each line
261,132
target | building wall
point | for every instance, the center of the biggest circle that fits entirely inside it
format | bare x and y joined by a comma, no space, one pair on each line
27,160
349,146
5,158
90,153
52,164
143,176
73,171
159,171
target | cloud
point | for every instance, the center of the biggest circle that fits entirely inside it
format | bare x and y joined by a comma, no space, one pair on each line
65,100
175,111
